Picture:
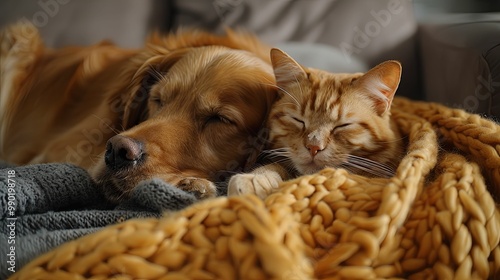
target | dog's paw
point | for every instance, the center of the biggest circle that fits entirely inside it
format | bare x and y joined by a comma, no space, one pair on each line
201,188
259,184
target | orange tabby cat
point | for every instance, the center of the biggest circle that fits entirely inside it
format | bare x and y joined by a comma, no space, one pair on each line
327,120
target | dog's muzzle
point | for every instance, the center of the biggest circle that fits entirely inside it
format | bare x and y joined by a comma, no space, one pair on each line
123,152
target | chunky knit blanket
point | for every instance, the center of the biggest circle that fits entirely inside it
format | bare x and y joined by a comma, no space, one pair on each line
435,219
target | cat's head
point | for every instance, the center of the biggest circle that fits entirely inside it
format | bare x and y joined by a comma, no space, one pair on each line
334,120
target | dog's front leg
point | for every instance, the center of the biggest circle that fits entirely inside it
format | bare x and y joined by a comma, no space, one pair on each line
201,188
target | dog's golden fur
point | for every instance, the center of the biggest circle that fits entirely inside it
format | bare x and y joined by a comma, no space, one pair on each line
194,100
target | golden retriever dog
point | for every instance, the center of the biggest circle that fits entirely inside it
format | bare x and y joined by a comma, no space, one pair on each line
186,108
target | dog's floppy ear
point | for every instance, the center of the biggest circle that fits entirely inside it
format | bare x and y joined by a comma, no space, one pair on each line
136,109
150,72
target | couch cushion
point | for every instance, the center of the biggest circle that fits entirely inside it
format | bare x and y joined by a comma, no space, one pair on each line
66,22
372,31
461,65
323,57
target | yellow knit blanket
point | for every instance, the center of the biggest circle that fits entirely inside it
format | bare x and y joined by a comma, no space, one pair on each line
435,219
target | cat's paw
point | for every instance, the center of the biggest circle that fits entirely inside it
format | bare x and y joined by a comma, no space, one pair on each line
259,184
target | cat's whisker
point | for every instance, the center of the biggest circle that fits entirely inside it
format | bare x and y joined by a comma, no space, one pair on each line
106,124
372,170
369,161
279,153
369,166
355,169
346,167
270,152
278,149
288,165
287,103
364,159
290,95
283,160
299,86
278,157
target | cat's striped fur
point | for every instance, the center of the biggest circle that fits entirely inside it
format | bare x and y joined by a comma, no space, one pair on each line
333,120
328,120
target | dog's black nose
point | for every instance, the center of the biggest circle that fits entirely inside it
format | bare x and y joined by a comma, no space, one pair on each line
122,152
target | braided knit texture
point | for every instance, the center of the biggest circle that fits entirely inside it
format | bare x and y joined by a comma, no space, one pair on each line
435,219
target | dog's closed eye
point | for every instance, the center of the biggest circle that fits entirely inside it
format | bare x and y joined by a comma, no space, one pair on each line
157,101
218,119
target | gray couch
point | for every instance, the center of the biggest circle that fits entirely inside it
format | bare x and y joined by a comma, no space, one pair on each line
449,56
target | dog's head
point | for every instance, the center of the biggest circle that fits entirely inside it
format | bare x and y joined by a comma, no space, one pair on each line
191,115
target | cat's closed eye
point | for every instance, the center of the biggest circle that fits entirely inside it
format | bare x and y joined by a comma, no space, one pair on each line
344,125
345,115
299,121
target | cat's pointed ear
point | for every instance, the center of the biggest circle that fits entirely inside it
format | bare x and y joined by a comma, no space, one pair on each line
381,83
286,70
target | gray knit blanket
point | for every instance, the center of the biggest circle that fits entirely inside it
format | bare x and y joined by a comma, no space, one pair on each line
45,205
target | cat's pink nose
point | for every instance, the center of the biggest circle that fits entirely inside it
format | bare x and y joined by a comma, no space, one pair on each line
314,149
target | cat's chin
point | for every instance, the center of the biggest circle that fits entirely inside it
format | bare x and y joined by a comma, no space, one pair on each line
310,168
